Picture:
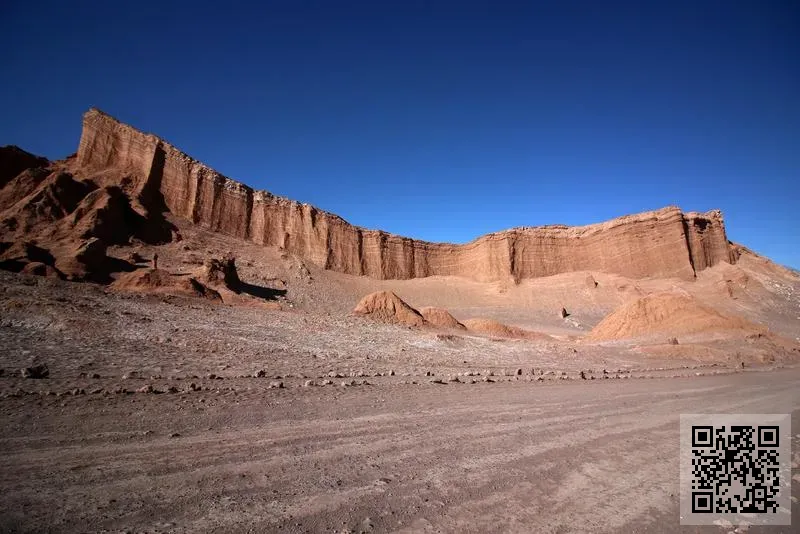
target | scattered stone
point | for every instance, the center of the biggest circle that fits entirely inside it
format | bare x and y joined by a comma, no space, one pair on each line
35,371
673,341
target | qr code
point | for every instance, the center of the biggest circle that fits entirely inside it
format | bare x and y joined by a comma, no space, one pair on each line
735,467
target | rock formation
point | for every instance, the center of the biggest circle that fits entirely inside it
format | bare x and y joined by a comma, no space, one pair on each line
122,181
440,318
665,313
386,307
490,327
663,243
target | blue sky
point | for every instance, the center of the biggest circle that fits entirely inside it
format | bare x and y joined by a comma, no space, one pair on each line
440,120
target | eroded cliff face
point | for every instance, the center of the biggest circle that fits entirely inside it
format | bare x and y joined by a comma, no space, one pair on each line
662,243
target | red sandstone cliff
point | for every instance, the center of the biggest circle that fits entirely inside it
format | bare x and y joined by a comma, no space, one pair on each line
663,243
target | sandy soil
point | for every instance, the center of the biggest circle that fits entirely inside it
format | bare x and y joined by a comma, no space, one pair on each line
599,457
163,414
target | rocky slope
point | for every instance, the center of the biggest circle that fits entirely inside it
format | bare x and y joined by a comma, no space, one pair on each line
156,177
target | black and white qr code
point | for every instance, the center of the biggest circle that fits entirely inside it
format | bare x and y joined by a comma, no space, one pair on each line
735,469
736,465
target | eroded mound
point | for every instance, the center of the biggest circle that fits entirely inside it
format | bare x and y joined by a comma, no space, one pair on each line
440,318
160,281
666,313
491,327
386,307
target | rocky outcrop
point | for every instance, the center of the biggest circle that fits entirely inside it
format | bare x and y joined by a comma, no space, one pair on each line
663,243
14,160
387,307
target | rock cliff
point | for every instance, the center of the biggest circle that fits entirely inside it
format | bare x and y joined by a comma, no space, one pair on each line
662,243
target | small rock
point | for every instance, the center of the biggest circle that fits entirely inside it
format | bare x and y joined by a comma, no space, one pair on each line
175,435
276,385
673,341
35,371
487,379
437,381
261,374
309,383
145,389
519,372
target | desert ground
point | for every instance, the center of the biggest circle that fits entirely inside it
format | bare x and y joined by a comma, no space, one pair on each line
173,414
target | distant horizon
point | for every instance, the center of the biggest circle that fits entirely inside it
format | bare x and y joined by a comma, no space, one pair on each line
441,122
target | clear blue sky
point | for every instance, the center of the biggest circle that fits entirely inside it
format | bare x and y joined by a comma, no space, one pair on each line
440,120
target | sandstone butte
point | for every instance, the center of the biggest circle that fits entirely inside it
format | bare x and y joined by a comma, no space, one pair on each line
662,243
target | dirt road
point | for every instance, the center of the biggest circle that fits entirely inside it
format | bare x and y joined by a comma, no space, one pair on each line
505,457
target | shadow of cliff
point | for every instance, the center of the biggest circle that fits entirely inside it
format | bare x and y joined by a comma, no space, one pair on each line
155,229
266,293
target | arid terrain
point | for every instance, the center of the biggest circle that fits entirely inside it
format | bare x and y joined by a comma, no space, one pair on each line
277,369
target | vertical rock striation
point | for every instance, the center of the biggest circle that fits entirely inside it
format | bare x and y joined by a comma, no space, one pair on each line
662,243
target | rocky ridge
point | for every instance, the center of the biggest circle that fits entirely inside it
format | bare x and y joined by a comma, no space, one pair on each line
124,185
662,243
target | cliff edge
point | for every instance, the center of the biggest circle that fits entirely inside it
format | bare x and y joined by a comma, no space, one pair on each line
662,243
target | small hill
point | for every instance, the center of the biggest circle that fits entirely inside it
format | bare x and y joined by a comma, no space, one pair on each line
491,327
441,318
386,307
665,313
